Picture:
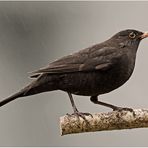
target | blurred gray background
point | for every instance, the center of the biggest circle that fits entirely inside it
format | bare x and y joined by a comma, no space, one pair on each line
32,34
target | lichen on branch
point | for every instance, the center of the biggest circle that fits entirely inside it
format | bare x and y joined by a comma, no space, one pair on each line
115,120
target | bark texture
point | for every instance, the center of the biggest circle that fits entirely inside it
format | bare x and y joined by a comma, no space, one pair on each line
115,120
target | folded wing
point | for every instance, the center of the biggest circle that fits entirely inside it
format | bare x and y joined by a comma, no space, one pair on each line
83,61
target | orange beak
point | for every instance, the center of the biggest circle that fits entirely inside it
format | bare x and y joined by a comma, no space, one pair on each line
144,35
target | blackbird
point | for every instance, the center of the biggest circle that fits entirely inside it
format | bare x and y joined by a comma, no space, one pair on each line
93,71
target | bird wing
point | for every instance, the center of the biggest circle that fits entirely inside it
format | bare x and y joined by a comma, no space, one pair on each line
90,59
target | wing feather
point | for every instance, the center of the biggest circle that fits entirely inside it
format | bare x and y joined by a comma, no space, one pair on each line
81,61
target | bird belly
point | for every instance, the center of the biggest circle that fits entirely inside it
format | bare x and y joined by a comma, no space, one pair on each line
94,83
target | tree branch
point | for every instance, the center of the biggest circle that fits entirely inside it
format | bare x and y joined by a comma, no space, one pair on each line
114,120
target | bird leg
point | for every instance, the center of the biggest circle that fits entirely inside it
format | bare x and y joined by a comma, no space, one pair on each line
94,99
76,112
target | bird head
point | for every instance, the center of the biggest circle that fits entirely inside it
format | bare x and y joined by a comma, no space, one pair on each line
129,37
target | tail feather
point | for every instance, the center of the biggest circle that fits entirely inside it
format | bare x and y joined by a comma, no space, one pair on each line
27,91
40,85
11,98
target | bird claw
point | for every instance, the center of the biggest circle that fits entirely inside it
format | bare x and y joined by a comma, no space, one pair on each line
80,114
124,109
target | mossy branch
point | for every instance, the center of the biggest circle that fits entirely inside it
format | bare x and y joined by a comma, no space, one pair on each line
115,120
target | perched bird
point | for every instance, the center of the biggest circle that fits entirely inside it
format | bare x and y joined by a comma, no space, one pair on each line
93,71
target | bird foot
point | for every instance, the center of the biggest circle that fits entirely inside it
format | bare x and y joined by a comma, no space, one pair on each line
80,114
123,109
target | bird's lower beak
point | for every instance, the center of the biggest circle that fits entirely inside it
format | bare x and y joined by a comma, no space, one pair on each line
144,35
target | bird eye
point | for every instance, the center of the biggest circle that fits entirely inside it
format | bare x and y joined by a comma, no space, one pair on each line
132,35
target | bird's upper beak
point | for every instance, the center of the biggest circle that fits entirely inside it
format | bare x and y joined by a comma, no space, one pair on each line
144,35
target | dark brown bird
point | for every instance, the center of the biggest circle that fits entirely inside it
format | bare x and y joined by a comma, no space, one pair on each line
93,71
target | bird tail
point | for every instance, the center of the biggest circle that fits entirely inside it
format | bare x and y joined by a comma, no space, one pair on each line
27,91
42,84
11,98
32,89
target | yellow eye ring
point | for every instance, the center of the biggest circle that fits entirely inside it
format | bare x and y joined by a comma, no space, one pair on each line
132,35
